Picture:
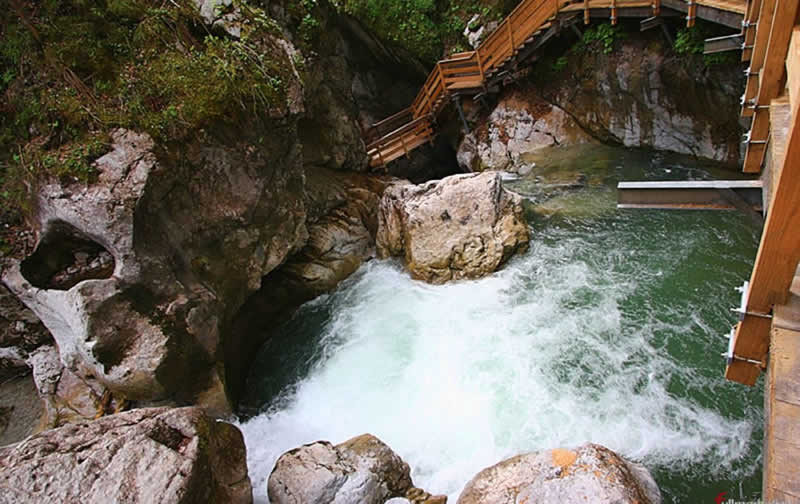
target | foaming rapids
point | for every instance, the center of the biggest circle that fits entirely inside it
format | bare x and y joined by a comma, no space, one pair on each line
603,332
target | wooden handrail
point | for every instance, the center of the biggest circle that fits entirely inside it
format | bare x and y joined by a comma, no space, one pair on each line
399,132
470,69
378,124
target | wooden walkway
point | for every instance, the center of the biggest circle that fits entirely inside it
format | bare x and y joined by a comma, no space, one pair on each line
530,24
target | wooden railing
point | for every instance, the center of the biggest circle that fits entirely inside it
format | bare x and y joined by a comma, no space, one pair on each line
469,71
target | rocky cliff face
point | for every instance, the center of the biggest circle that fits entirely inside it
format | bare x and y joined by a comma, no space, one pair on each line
641,94
144,275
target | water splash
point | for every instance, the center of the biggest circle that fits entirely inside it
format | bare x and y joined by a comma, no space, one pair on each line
603,332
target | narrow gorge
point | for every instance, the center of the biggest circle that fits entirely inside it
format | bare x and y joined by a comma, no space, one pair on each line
211,293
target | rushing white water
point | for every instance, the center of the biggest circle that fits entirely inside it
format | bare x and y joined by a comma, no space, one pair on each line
593,335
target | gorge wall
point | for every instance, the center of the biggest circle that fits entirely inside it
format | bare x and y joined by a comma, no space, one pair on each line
159,280
637,93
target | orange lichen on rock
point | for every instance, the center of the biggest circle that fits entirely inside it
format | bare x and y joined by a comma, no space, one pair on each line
564,458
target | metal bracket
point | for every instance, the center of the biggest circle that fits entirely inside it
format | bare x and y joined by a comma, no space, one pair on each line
730,356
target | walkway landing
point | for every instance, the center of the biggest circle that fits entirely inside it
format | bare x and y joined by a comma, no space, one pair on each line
782,404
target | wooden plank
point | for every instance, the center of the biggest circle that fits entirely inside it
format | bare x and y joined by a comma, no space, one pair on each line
793,68
586,14
776,262
771,80
723,44
656,8
763,29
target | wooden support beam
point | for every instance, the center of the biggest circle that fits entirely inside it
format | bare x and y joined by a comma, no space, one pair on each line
723,44
763,29
587,15
775,265
770,82
649,23
691,13
749,28
613,12
793,68
656,8
744,195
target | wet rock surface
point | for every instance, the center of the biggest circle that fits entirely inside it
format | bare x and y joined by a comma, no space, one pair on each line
156,455
362,469
21,332
463,226
589,473
640,94
520,125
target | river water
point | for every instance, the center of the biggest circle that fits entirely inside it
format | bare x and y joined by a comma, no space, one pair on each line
609,330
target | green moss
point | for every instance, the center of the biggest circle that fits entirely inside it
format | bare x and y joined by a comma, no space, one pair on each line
72,70
423,27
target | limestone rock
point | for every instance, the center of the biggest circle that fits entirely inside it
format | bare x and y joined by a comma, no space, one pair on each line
187,242
362,469
590,473
463,226
156,455
638,95
21,332
520,124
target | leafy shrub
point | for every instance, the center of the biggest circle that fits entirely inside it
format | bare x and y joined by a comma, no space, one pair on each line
603,35
71,70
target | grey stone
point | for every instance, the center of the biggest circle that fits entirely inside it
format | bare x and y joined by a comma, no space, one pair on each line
589,473
463,226
145,456
362,469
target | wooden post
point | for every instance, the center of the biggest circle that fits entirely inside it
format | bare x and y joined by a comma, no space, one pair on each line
480,66
759,53
691,13
770,82
586,15
510,35
380,155
613,12
749,28
776,263
656,7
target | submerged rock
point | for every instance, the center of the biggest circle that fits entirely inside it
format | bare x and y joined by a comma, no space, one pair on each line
362,469
463,226
590,473
156,455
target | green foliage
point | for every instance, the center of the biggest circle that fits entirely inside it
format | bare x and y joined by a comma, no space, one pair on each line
603,35
560,63
689,41
724,58
424,27
71,70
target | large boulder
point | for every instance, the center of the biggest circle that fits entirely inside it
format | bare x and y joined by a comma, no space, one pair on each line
156,455
463,226
362,469
590,473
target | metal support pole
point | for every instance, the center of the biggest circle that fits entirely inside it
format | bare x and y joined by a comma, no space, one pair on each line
457,101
